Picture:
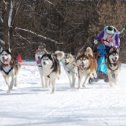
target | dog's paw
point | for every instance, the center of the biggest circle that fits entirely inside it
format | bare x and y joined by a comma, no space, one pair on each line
8,91
83,86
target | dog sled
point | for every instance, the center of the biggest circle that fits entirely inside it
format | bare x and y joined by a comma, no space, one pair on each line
101,56
107,63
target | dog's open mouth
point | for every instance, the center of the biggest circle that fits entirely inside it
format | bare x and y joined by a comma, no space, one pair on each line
66,63
114,60
5,61
38,61
82,66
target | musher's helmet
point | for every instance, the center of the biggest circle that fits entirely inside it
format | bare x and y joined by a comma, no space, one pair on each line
110,30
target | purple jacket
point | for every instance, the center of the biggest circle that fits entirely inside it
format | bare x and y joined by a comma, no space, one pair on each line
115,38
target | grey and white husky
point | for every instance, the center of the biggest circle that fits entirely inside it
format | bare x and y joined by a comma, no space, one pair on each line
51,68
38,55
9,68
113,65
70,66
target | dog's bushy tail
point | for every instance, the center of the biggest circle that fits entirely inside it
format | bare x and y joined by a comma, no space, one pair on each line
59,54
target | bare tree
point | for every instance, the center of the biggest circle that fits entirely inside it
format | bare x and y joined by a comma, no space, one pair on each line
67,25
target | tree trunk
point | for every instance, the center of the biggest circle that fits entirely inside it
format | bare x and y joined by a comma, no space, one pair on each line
5,24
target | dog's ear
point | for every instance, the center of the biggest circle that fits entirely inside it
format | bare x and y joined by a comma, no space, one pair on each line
12,62
1,50
111,50
7,50
89,51
59,54
80,55
70,54
88,55
52,57
117,50
45,51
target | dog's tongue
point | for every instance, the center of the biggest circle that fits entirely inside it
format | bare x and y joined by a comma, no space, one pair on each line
5,60
81,66
114,61
38,62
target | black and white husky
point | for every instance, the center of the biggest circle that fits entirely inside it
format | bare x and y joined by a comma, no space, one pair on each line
51,67
70,66
113,66
9,69
38,55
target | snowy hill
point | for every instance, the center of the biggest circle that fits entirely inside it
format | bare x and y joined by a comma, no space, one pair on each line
30,105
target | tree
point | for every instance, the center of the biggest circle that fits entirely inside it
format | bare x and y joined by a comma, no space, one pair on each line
66,25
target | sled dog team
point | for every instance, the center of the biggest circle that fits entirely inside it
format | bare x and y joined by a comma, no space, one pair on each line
79,69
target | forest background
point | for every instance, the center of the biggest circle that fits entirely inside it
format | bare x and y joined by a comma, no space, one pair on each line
67,25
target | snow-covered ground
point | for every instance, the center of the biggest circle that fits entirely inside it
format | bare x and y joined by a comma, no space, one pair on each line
30,105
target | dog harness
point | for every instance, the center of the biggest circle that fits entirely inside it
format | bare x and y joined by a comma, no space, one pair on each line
115,64
112,71
5,71
68,69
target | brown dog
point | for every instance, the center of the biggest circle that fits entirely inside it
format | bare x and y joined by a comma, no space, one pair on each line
87,65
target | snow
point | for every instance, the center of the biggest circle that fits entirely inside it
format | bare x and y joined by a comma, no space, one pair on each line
29,104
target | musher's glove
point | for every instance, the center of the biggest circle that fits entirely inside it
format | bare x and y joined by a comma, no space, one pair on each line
95,42
111,44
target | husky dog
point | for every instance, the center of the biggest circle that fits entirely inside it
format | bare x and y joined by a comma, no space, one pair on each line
9,69
70,66
38,55
113,66
51,67
87,65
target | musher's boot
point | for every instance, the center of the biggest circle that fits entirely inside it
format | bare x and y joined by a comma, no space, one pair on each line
106,78
91,80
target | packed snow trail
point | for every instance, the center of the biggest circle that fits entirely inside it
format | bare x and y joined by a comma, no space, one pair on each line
29,104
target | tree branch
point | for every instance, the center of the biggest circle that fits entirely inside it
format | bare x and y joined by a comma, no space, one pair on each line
5,2
55,8
21,37
1,41
123,29
1,19
16,9
26,30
